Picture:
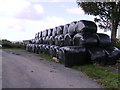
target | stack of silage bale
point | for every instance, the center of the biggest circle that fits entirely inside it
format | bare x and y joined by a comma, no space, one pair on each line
76,43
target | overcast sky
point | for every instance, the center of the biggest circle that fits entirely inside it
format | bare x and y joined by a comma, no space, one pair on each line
21,19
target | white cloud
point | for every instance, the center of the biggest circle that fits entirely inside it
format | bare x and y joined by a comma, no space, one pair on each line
77,11
39,8
55,21
33,12
12,7
21,9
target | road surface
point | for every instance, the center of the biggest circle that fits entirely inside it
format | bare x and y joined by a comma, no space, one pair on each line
22,69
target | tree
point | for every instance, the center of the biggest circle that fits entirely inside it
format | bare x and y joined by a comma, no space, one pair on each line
107,14
6,41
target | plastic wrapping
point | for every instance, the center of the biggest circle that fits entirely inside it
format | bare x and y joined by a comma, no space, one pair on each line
65,29
40,40
44,40
71,28
32,47
36,47
37,35
47,49
60,54
74,55
37,40
30,41
61,40
104,40
47,39
60,30
84,26
113,54
43,48
85,40
50,32
54,32
56,40
56,49
40,48
52,40
40,34
33,41
68,40
52,51
76,43
97,55
45,33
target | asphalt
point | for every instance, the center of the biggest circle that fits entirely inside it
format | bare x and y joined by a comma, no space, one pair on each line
22,69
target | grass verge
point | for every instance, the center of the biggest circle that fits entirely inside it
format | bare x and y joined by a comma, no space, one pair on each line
101,74
45,56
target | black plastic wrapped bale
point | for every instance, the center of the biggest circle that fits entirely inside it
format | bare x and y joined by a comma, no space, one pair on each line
74,55
49,35
50,32
52,40
56,49
56,40
40,40
113,54
33,41
52,51
29,47
61,40
40,34
37,41
60,54
37,35
47,49
60,30
44,40
97,55
33,48
45,33
36,48
68,40
43,48
85,40
47,40
30,41
65,29
54,32
71,28
40,48
36,38
84,26
104,40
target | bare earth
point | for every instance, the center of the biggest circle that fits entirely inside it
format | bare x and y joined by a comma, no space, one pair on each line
22,69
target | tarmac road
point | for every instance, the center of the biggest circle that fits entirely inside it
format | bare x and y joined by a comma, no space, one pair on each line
22,69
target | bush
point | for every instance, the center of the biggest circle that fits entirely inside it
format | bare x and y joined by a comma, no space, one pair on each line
13,45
